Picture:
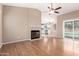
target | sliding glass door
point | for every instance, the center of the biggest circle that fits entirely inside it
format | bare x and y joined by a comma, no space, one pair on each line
71,31
68,35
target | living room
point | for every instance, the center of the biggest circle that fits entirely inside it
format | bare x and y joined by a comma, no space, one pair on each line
39,29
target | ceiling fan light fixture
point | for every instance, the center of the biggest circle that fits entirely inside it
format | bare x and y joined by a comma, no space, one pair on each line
53,10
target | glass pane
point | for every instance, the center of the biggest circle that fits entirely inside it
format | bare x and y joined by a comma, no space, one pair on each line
68,29
76,29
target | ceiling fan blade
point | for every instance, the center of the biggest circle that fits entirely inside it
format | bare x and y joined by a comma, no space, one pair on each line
58,8
56,12
48,7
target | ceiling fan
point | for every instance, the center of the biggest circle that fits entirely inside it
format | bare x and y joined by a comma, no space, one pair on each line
54,10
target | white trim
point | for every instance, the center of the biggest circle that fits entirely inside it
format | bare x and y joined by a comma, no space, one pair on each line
22,40
16,41
63,29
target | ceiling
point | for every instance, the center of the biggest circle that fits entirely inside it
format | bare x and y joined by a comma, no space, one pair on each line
43,7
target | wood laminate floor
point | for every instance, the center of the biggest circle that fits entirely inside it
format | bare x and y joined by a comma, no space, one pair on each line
43,47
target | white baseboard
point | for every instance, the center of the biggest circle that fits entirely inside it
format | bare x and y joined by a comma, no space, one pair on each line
1,45
20,41
16,41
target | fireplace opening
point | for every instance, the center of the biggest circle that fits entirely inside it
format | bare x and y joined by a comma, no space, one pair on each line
35,34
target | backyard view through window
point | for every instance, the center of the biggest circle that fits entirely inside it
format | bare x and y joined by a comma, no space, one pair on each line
71,29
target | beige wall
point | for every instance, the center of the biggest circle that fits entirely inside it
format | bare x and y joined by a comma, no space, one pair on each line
69,16
18,21
34,20
0,25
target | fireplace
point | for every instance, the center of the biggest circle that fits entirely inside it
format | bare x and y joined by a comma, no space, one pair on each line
35,34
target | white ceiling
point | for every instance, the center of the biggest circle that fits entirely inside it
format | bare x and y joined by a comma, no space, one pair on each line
43,7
